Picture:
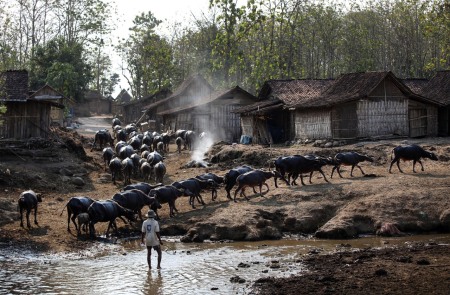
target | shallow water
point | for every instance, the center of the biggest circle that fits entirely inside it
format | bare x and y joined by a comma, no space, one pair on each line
204,268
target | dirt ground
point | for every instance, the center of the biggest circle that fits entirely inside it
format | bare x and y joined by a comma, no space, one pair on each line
63,166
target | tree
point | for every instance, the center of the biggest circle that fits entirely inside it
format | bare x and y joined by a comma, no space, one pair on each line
62,65
148,57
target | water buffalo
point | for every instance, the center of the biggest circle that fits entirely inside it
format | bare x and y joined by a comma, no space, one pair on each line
159,170
107,155
410,153
190,139
127,169
75,206
179,141
146,170
135,142
115,167
166,194
142,186
349,159
28,200
166,140
107,211
322,162
102,137
218,180
116,122
83,222
253,179
230,177
154,157
192,188
135,200
126,152
296,165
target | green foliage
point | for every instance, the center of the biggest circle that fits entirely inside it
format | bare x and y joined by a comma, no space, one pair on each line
62,65
148,56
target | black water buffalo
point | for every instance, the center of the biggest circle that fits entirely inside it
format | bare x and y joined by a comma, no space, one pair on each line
323,161
75,206
135,142
107,211
115,167
116,122
218,180
102,137
349,159
108,154
136,159
190,139
295,165
253,179
156,140
125,152
146,171
179,141
142,186
192,188
131,128
159,170
166,140
166,194
121,135
28,200
230,177
135,200
127,170
410,153
154,157
119,145
298,165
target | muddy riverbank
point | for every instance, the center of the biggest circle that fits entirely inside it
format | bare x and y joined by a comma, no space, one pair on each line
341,208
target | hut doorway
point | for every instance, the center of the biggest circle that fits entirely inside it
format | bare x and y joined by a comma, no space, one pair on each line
344,121
417,122
279,126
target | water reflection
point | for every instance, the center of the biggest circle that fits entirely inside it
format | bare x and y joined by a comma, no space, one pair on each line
187,268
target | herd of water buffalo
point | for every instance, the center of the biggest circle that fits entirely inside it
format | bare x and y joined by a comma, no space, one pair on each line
141,155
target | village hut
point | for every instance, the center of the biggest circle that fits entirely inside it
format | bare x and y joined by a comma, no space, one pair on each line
438,89
354,106
58,115
213,115
93,103
25,116
367,105
193,90
268,121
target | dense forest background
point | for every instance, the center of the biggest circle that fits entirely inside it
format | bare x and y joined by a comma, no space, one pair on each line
65,43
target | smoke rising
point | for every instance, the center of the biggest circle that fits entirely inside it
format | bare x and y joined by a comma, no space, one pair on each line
203,144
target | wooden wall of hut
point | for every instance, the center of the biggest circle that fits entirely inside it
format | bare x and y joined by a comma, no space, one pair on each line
313,124
26,119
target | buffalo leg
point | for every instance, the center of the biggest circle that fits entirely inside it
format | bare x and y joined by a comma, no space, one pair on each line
310,176
301,179
236,191
398,165
361,170
91,229
35,215
21,217
421,165
243,193
323,174
28,218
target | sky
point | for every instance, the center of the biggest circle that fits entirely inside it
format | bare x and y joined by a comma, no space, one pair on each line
167,11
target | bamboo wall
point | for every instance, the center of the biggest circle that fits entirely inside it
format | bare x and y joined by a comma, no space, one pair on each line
377,117
314,124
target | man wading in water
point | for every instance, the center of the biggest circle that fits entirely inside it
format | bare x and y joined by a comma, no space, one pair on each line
150,231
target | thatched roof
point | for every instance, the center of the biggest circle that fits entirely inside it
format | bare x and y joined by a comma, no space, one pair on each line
354,86
197,78
227,94
438,88
415,85
294,91
275,94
